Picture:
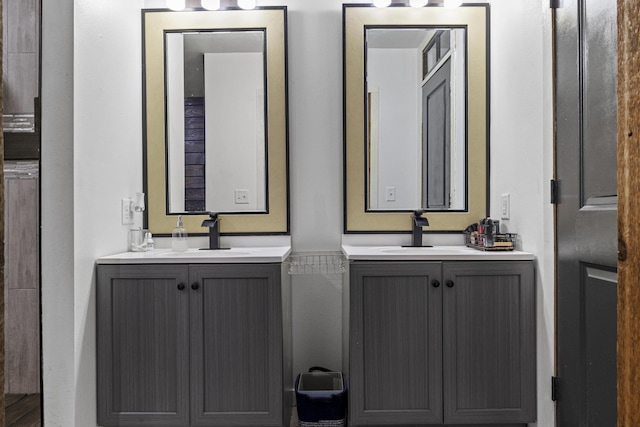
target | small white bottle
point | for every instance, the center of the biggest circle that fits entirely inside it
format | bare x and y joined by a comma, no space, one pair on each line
179,237
149,242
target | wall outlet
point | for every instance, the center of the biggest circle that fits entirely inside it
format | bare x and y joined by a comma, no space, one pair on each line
242,197
127,211
505,208
391,194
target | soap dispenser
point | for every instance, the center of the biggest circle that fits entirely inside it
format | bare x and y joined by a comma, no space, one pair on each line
179,237
149,244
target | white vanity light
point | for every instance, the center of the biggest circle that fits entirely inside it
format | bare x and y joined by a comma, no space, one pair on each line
247,4
452,3
417,3
176,4
381,3
210,4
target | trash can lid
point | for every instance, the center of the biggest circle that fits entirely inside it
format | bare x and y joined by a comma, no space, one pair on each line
320,381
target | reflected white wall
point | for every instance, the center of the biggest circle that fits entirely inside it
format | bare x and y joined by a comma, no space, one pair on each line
234,131
175,120
391,73
458,119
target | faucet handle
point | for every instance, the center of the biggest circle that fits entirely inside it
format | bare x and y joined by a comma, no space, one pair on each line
212,220
419,220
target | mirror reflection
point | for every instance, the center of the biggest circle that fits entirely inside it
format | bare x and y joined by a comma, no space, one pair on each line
437,135
416,118
239,134
216,121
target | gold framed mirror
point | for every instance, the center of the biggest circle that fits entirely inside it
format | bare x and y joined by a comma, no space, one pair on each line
215,119
436,38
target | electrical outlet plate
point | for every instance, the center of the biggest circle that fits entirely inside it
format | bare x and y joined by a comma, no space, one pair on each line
127,212
391,194
505,206
242,197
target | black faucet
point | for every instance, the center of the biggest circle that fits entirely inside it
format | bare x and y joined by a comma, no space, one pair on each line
418,222
214,230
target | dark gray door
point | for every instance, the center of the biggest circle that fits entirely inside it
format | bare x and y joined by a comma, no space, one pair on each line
143,345
436,139
395,344
236,345
586,69
489,342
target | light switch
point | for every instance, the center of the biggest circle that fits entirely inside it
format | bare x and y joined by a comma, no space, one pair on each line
505,208
127,211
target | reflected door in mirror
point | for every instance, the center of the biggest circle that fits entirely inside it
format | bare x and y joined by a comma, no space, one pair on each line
436,140
416,111
391,155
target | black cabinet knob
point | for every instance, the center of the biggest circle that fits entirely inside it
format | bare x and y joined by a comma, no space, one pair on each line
181,286
450,283
195,286
435,283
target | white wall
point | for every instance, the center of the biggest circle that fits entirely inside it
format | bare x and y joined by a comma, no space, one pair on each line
522,153
107,161
92,156
315,138
57,207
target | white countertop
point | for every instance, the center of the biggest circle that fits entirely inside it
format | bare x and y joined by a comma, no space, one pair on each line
435,253
197,256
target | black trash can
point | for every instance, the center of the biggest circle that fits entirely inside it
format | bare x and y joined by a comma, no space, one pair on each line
321,398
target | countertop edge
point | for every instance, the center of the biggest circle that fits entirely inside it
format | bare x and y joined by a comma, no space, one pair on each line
376,253
264,255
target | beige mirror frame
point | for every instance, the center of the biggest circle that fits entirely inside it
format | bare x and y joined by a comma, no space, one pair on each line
274,22
356,18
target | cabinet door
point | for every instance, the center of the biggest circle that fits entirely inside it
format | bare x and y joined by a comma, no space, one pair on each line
395,343
236,345
489,342
143,344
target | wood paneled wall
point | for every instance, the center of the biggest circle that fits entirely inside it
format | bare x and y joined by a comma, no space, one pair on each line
20,55
194,156
21,290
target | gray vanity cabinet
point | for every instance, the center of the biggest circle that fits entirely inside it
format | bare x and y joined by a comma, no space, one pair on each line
236,346
441,343
190,345
143,345
395,370
489,342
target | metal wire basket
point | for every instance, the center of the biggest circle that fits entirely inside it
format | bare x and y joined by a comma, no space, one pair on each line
317,263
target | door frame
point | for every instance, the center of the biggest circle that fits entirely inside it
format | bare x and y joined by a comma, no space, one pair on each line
628,213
